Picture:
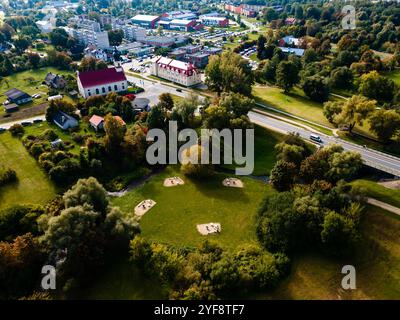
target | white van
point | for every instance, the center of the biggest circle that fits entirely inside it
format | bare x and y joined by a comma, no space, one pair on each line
316,138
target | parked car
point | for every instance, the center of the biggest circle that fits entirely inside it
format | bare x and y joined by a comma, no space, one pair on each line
26,123
37,121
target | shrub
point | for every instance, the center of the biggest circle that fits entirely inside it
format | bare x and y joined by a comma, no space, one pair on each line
49,135
7,175
17,130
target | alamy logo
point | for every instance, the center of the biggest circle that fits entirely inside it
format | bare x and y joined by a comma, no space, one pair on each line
164,150
349,280
49,279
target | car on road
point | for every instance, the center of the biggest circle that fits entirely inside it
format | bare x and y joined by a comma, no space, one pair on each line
179,90
37,121
26,123
316,138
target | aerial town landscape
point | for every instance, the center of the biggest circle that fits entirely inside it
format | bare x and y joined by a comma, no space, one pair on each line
109,111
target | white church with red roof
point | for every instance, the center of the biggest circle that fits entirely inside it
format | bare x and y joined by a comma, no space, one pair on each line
101,82
176,71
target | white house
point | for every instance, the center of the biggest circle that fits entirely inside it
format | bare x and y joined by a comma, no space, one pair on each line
100,82
176,71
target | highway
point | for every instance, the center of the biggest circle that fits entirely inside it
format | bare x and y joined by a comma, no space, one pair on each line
372,158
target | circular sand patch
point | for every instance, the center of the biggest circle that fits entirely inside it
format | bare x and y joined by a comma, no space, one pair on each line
173,182
144,206
209,228
232,182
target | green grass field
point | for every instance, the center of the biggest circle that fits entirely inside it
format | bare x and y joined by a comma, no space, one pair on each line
29,81
379,192
33,186
179,209
394,75
264,151
377,263
294,102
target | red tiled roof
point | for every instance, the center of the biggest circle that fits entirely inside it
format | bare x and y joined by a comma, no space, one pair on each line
96,120
120,120
101,77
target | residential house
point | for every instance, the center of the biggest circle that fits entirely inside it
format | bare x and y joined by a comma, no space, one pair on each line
17,96
55,81
141,104
295,51
101,82
64,121
96,122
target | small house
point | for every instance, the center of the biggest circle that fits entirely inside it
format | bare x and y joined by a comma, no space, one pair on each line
12,107
97,122
141,104
17,96
55,81
120,120
56,143
64,121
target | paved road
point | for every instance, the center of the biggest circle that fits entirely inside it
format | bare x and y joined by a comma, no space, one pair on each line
9,124
384,206
378,160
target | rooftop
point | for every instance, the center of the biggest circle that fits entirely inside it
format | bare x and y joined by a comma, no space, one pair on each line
100,77
15,93
145,17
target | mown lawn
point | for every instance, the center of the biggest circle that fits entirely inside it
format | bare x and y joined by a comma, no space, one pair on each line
179,209
294,102
264,151
33,186
379,192
377,263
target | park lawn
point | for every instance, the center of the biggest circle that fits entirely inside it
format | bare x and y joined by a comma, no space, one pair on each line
377,263
374,190
295,102
179,209
33,186
264,151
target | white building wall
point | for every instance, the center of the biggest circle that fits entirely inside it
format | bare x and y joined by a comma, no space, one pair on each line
175,76
119,86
